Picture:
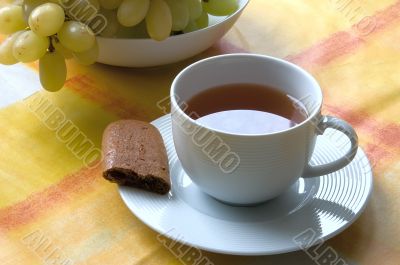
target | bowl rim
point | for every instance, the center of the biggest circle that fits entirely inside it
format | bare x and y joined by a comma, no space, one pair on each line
240,9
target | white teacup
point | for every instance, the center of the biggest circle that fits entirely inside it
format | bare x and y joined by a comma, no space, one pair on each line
250,169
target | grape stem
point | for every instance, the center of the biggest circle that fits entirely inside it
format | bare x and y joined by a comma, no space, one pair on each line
51,47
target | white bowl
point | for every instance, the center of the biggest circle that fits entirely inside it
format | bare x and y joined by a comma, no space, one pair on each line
147,52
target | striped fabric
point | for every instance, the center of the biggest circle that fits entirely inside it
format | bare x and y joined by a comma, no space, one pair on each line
55,208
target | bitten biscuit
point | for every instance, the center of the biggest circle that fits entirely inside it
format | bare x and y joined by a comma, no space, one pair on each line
135,155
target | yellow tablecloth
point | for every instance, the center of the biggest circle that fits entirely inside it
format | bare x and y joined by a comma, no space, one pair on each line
55,209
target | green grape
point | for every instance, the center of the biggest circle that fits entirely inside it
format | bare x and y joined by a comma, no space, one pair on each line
180,14
81,10
203,21
132,12
11,19
29,5
220,7
137,32
29,46
47,19
110,4
159,20
52,71
61,49
191,26
88,57
112,26
195,9
76,36
200,23
6,49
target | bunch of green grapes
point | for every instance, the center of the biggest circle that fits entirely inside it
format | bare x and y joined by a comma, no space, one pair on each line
53,31
158,19
41,30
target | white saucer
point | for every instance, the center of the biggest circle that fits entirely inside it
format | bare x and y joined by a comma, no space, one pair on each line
325,206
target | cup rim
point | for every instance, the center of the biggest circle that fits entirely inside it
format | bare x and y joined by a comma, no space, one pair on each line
311,117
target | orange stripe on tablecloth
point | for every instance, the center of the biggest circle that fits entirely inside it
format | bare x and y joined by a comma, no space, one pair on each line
85,87
346,42
384,134
339,44
38,203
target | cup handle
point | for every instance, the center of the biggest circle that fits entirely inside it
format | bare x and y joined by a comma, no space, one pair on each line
344,127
